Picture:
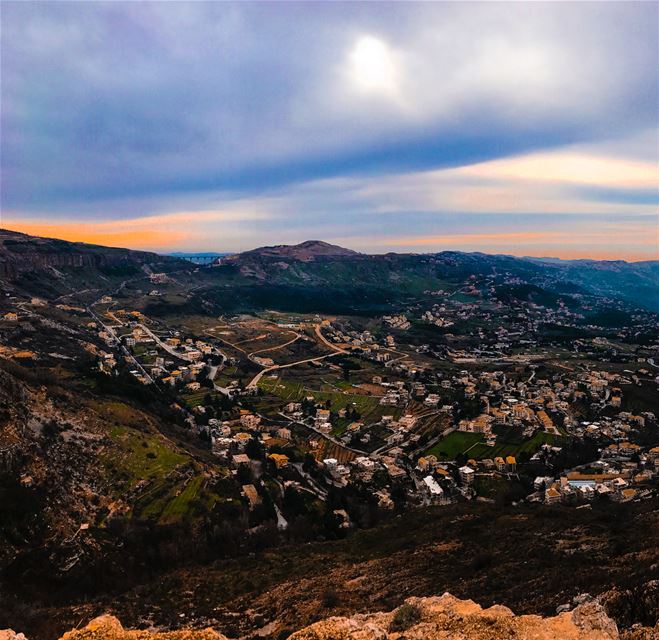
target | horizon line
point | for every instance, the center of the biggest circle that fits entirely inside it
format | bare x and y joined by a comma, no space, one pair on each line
172,253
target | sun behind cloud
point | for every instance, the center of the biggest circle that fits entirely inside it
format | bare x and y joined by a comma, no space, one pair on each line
373,66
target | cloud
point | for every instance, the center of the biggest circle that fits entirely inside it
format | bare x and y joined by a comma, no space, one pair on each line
524,127
165,232
112,100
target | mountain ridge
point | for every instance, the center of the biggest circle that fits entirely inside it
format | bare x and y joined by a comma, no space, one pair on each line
20,253
46,266
307,250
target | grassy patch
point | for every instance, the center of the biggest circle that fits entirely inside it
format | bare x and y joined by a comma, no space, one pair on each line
148,467
181,504
142,456
367,406
505,448
454,444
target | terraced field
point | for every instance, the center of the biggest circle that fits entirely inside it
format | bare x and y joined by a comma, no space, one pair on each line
163,482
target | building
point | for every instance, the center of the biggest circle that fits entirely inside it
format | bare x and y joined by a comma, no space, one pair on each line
433,488
279,459
249,491
466,474
552,495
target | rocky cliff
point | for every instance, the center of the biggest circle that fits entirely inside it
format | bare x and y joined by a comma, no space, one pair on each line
21,253
435,618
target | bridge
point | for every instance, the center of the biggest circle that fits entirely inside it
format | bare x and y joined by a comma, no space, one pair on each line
201,260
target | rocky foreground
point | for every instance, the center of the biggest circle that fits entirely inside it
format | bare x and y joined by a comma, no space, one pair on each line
436,618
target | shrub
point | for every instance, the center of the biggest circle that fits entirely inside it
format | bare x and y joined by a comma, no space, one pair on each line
406,616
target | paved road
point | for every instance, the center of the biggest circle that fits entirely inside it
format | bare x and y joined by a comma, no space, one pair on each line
259,375
326,342
165,346
129,356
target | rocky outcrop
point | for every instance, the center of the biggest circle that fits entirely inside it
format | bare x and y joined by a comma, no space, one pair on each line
448,618
435,618
20,253
639,604
109,628
10,634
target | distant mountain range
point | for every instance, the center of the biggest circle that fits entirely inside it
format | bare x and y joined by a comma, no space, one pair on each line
315,263
200,254
326,269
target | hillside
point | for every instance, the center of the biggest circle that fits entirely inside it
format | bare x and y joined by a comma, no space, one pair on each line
473,550
317,276
308,272
47,266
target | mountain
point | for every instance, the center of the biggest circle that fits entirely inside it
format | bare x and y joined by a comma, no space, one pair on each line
318,276
636,282
48,266
305,251
325,268
20,253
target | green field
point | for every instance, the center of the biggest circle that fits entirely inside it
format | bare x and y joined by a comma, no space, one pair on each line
454,444
503,449
142,456
473,446
195,398
367,406
157,472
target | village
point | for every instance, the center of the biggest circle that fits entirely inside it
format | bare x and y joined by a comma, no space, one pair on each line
304,405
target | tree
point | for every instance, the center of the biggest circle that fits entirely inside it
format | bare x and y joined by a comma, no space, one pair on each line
254,449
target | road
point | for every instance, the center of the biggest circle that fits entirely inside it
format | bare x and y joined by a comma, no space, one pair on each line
315,487
165,346
129,356
326,342
255,380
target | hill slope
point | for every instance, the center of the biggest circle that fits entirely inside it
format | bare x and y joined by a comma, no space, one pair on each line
47,266
337,271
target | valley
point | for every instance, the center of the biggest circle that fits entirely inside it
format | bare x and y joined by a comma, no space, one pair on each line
298,431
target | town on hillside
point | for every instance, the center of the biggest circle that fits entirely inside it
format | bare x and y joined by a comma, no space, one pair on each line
458,396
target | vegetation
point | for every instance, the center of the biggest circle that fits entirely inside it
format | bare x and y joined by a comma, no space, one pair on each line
406,616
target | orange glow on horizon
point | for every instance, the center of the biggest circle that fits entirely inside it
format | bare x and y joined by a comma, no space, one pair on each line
105,234
171,232
555,244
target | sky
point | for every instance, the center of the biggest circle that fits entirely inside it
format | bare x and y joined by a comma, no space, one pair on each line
520,128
